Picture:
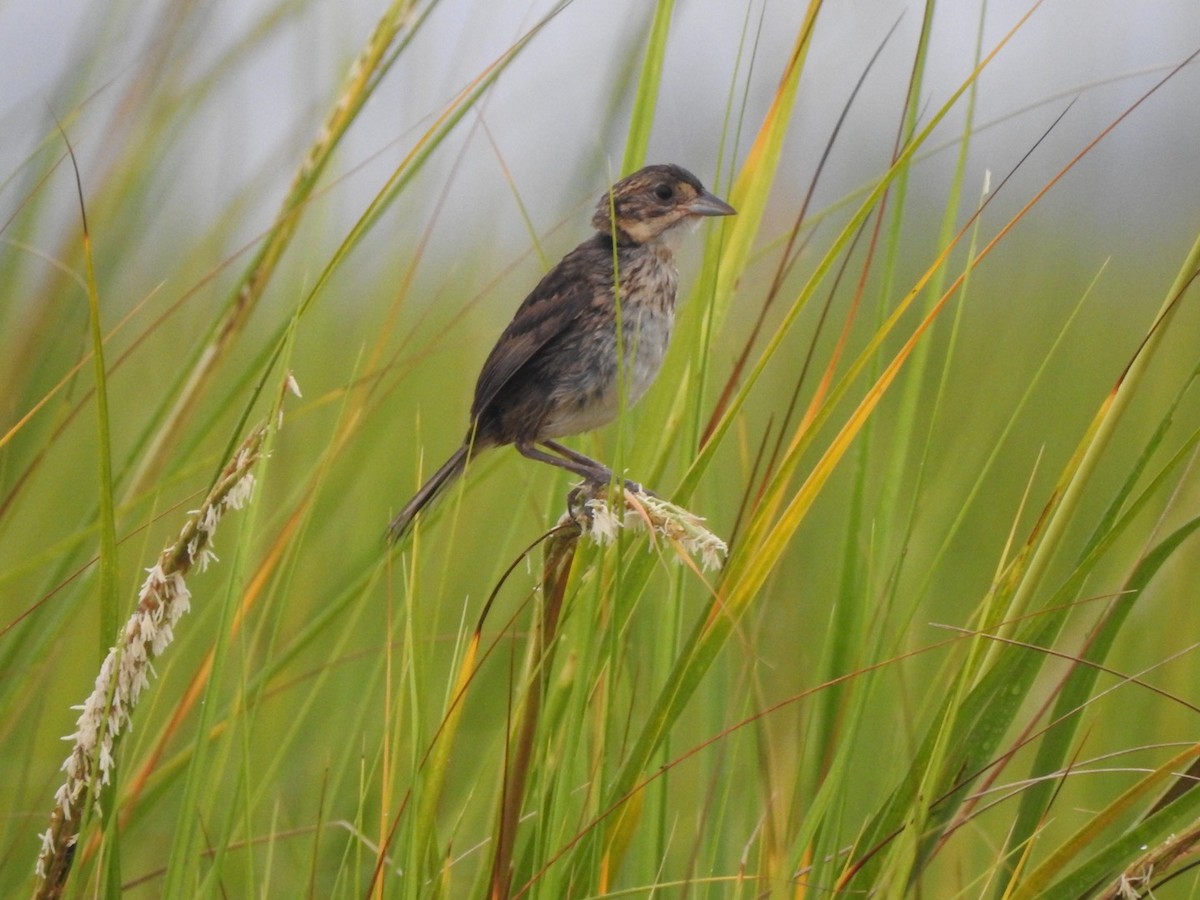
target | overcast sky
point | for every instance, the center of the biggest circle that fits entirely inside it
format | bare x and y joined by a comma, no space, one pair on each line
550,118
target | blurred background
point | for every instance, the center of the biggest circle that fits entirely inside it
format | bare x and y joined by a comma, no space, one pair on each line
262,75
216,103
190,119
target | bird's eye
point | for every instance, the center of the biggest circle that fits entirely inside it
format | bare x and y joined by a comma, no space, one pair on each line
664,191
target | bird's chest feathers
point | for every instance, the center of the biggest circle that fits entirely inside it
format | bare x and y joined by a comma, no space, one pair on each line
647,314
592,394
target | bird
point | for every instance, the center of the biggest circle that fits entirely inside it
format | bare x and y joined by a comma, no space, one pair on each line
554,371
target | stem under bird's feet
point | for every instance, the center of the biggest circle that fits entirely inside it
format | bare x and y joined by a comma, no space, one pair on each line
588,509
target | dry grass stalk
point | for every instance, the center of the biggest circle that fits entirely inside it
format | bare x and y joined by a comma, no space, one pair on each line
125,672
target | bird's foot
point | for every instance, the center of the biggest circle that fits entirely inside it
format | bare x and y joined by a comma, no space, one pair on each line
636,488
579,509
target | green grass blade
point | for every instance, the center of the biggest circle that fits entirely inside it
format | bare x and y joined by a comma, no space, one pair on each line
641,122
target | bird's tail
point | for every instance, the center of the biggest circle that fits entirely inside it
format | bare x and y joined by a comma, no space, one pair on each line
438,482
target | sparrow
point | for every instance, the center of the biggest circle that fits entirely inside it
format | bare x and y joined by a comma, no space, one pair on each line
574,344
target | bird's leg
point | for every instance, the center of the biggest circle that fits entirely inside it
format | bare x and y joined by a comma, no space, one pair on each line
577,457
581,465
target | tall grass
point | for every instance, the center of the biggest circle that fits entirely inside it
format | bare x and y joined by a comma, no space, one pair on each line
948,653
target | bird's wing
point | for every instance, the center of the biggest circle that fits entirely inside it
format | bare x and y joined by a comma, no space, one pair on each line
549,310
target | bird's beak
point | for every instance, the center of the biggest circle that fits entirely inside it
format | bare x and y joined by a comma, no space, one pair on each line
709,205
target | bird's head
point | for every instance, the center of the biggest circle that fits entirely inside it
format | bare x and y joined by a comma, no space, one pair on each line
654,200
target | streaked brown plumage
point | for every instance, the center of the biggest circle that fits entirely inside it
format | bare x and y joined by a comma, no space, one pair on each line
553,372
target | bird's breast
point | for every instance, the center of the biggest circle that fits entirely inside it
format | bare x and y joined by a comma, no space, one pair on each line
647,317
592,395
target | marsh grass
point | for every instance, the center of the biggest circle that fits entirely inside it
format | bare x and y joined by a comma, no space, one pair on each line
945,654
